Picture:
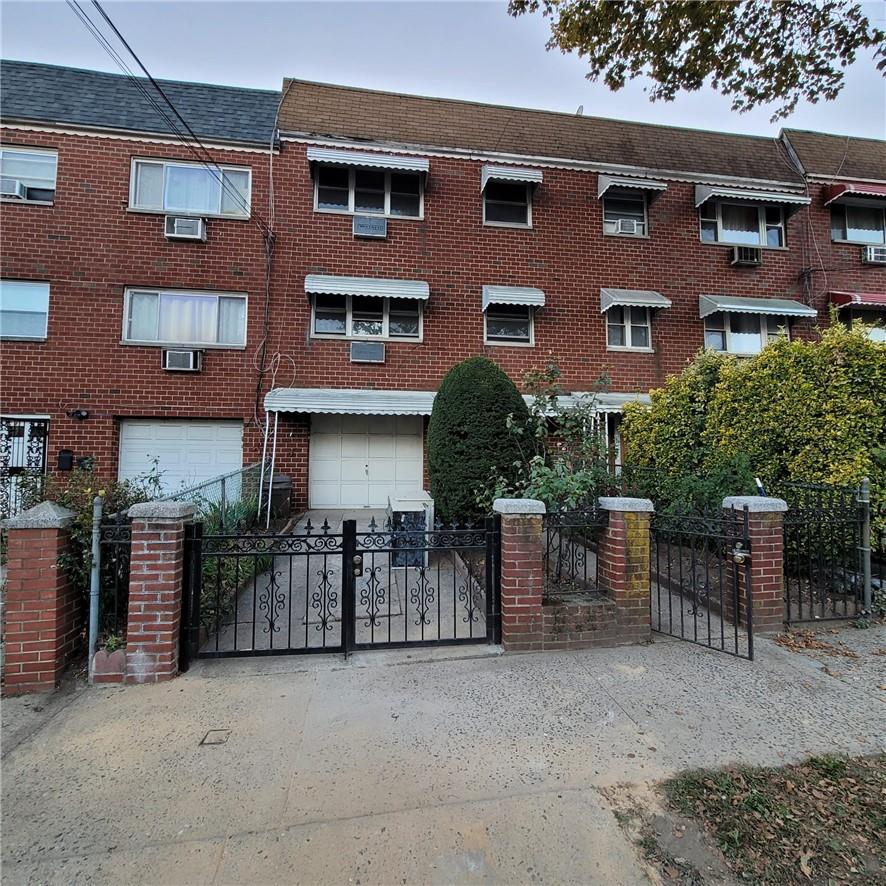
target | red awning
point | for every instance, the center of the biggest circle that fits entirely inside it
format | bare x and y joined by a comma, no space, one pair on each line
861,299
850,189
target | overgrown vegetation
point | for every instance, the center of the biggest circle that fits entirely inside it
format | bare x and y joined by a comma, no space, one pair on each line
819,822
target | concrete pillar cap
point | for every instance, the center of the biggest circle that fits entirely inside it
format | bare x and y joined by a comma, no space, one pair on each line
619,503
519,506
756,504
159,511
46,515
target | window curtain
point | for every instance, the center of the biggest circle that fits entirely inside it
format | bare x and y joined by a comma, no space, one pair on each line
741,224
188,318
149,186
23,308
192,189
232,321
143,316
235,194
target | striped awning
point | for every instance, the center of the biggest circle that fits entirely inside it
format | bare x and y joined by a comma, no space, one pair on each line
846,190
633,298
781,307
376,286
367,160
605,182
703,193
346,401
859,299
519,174
512,295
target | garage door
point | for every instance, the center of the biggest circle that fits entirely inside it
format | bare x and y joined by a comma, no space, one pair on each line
187,452
360,461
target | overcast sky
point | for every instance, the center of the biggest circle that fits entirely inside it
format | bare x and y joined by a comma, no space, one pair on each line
459,50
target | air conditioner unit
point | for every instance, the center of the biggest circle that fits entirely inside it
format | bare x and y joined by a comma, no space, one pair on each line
370,226
874,255
13,189
367,352
185,228
747,255
628,226
182,361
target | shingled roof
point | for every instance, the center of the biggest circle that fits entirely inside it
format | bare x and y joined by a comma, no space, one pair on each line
840,156
53,94
343,112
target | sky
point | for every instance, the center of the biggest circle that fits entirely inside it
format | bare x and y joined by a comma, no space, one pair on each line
466,50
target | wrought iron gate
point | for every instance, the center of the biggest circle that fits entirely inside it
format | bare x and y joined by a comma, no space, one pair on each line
22,453
701,579
338,591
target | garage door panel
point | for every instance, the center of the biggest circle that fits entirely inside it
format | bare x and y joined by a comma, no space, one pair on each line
381,471
354,495
408,425
381,424
325,495
326,424
354,446
355,424
381,447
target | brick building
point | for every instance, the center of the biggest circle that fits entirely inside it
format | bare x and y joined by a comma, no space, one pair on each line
409,233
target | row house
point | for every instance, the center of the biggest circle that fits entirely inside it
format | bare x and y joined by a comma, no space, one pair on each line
299,296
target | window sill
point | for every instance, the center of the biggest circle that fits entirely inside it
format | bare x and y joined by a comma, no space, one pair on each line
509,344
368,338
627,236
12,201
347,212
184,346
624,349
856,243
726,245
511,225
31,338
179,214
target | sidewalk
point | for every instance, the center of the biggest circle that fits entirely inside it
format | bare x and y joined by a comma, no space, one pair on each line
472,770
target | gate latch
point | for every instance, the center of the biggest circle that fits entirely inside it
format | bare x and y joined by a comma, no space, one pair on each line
358,565
739,554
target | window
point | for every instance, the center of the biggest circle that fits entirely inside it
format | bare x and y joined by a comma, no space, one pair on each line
507,203
624,213
509,324
742,334
368,191
743,224
367,316
24,309
875,320
190,188
28,174
185,318
628,327
859,224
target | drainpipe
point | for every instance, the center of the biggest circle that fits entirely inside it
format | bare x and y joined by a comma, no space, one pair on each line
864,500
94,579
273,464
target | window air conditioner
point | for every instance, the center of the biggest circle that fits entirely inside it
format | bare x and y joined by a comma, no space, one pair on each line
367,352
185,228
182,361
13,189
747,255
628,226
874,255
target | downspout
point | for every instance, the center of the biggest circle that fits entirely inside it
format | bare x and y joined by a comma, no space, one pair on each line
94,580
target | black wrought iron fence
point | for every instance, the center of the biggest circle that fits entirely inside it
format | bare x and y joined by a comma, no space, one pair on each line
571,546
115,548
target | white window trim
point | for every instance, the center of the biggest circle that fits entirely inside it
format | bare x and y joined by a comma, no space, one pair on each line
348,335
843,207
351,192
627,325
764,332
761,225
644,236
164,162
24,149
518,225
45,335
505,343
127,297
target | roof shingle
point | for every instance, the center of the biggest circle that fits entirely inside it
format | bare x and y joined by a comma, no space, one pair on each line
840,156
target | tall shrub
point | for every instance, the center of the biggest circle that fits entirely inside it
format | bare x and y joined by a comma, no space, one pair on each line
468,438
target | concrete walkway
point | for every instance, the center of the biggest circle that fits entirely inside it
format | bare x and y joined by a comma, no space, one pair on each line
401,767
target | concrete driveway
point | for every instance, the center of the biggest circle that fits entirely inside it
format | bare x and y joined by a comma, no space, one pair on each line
400,767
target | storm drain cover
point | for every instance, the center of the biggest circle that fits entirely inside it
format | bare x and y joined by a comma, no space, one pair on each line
216,736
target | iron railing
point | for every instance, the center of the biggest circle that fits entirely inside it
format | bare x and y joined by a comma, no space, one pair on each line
115,550
571,564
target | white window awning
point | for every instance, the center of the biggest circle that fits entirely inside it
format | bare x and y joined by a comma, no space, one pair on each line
605,182
631,298
703,193
367,160
781,307
346,401
519,174
326,285
512,295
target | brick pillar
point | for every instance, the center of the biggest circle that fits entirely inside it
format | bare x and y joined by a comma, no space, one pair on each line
623,565
766,533
522,572
43,612
156,573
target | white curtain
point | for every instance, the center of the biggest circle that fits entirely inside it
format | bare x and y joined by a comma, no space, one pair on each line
235,194
192,189
741,224
188,318
143,316
232,321
149,186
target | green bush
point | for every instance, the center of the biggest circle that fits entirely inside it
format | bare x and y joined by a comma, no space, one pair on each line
468,438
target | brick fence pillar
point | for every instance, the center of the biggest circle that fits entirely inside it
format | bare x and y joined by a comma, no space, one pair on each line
623,565
522,572
156,573
42,611
766,565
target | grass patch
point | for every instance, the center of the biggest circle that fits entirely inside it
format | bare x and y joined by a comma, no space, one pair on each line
820,822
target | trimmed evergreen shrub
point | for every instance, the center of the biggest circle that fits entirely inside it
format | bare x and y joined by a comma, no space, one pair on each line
468,437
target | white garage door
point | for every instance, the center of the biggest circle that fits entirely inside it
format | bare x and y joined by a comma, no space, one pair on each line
360,461
187,452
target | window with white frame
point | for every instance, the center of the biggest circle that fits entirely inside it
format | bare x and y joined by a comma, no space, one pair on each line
628,327
507,203
742,224
859,224
175,186
28,174
874,320
509,324
366,316
185,318
368,191
24,309
624,212
740,333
